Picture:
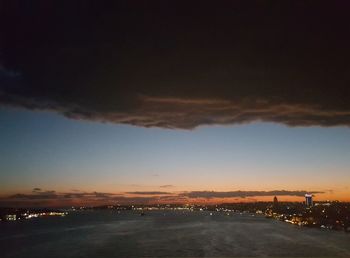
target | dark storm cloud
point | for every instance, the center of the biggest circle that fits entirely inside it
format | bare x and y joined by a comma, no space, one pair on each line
148,193
244,194
173,64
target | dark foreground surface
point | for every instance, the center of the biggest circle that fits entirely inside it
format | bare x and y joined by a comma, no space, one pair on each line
164,234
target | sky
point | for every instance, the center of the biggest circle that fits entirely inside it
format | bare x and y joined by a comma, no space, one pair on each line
48,151
174,101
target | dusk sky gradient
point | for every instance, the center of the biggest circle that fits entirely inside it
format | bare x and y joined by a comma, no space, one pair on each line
48,151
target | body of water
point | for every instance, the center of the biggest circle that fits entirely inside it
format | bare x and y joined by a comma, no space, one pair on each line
166,234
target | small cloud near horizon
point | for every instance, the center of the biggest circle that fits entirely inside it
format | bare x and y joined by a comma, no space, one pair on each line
166,186
148,193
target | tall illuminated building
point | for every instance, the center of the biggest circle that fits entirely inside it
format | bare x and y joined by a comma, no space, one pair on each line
308,200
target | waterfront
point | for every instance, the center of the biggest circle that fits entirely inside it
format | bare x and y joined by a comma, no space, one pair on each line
167,233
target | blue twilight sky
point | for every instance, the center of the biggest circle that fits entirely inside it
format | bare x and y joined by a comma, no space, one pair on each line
49,151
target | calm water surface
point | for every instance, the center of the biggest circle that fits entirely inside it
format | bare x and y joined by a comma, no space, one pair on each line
164,234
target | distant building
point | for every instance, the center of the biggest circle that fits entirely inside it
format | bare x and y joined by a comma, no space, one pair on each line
275,204
308,200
